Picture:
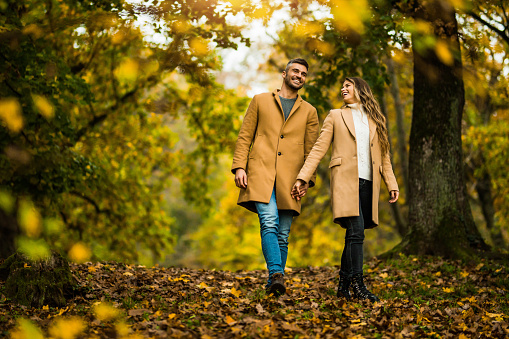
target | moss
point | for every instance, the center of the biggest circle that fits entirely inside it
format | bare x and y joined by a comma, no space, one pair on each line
40,283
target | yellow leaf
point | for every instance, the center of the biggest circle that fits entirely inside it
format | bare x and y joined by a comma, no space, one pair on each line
6,201
447,289
422,27
33,30
199,46
308,28
459,4
464,274
45,308
321,46
181,27
79,253
462,336
67,328
35,249
26,265
127,71
438,274
202,285
350,14
478,267
260,12
229,320
25,329
10,114
44,107
29,219
444,53
91,269
235,292
171,316
105,312
122,329
384,275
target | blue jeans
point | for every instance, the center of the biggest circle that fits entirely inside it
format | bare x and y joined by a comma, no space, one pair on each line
274,231
353,254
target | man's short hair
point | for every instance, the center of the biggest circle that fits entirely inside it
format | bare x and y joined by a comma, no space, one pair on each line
297,61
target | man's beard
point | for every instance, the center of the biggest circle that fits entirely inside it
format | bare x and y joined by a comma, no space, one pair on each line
289,83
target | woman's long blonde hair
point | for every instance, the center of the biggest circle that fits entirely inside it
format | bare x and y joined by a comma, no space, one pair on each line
365,97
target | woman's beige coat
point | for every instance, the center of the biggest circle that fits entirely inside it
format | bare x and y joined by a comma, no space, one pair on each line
272,150
339,130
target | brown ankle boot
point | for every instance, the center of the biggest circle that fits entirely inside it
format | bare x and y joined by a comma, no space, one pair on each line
277,285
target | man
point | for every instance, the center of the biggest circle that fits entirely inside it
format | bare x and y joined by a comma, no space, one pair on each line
277,134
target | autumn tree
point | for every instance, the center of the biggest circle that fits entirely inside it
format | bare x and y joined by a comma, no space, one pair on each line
88,97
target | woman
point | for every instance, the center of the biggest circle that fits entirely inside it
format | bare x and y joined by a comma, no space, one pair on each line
360,157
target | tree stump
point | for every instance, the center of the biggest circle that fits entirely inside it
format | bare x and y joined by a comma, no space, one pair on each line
37,283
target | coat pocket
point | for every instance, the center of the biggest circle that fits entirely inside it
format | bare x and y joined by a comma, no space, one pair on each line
335,162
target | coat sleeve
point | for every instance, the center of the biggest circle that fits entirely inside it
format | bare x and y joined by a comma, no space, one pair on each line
388,174
318,151
312,131
246,136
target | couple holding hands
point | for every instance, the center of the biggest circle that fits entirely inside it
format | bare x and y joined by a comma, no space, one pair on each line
278,149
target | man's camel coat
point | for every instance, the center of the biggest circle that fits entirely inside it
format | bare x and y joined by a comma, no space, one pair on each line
272,150
339,130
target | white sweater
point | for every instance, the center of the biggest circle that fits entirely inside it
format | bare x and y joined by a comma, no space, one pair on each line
360,120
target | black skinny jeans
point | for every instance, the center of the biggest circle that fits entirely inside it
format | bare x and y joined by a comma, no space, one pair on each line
353,255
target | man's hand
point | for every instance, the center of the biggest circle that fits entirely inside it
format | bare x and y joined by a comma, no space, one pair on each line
240,178
299,189
394,196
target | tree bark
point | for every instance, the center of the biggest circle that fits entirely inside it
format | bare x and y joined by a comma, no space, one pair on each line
440,218
9,231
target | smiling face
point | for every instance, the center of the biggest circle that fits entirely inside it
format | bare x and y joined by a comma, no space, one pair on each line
295,76
348,92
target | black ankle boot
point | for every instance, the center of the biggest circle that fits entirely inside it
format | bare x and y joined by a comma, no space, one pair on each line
360,291
344,286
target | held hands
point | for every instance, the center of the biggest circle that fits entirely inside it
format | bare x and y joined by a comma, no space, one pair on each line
394,196
300,188
240,178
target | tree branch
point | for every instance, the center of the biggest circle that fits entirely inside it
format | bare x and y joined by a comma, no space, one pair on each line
501,33
89,200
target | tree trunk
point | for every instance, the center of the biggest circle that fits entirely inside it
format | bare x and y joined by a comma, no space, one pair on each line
440,219
38,283
9,230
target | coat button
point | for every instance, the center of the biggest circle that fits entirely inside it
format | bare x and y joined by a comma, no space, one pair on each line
282,136
371,145
278,153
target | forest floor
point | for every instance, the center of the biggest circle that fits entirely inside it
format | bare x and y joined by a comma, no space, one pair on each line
422,297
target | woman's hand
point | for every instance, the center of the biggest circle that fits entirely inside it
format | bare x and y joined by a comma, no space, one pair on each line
299,189
394,196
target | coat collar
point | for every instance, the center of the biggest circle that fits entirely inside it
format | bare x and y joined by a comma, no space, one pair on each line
298,102
348,119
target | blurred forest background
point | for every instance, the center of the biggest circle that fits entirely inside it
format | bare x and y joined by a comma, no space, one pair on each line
118,120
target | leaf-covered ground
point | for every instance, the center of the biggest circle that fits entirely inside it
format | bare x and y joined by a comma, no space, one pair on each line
421,298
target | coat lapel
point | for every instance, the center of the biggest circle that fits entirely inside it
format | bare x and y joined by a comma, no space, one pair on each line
295,106
276,97
372,129
346,113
